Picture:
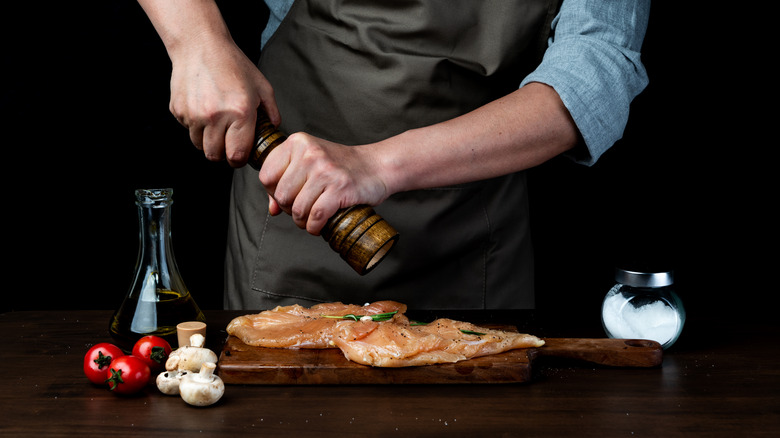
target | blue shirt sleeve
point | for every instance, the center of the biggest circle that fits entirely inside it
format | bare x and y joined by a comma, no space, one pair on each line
593,62
277,10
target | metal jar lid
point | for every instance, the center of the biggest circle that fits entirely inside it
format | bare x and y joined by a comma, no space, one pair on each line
644,279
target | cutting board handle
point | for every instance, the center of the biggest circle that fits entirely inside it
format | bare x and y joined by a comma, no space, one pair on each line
605,351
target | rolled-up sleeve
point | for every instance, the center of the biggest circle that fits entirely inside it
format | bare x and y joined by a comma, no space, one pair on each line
593,62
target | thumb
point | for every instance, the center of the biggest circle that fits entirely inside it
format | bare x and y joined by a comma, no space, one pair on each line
273,207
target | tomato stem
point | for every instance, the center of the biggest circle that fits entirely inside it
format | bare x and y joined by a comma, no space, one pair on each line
102,360
115,379
158,354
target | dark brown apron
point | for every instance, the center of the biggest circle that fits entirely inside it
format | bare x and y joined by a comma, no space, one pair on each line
356,72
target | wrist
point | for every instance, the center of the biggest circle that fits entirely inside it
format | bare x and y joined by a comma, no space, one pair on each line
391,162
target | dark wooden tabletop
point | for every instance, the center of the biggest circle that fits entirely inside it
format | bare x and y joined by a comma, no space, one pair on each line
723,382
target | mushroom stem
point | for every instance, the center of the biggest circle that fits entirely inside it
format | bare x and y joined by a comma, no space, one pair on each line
207,371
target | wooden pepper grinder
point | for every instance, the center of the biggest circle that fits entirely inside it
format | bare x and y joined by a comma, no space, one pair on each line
357,233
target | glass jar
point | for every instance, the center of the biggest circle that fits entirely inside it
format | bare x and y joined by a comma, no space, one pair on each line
643,305
157,300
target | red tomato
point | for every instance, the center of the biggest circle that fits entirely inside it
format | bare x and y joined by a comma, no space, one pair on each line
128,375
97,360
153,350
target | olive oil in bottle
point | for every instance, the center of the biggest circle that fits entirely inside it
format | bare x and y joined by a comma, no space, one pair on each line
158,299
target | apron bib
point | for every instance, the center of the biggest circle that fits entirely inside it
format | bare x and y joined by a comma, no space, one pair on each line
356,72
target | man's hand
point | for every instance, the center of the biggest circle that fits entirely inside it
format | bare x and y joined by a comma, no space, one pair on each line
215,89
215,93
310,179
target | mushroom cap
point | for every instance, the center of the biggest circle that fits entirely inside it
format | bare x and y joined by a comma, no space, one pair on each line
189,359
168,382
203,388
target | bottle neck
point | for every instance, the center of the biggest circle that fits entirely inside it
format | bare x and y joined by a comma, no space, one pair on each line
155,249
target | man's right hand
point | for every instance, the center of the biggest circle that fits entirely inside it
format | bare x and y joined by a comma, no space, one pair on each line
215,89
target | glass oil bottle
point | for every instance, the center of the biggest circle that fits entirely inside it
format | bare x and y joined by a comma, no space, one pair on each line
158,299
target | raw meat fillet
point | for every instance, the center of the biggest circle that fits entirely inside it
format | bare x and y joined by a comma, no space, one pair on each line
300,327
397,343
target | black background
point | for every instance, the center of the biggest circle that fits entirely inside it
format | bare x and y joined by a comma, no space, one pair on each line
85,116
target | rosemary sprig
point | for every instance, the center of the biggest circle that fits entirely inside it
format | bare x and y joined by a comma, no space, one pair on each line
470,332
379,317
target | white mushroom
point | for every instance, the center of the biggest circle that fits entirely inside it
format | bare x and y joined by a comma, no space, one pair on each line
197,340
190,357
168,381
202,388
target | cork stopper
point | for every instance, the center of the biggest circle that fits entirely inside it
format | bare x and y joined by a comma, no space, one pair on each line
185,330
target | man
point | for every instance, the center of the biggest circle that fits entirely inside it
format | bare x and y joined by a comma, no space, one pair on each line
429,110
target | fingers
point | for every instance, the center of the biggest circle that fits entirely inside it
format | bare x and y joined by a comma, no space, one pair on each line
213,142
308,209
215,94
239,140
271,175
226,138
302,210
196,136
296,188
319,214
273,207
224,129
209,138
268,104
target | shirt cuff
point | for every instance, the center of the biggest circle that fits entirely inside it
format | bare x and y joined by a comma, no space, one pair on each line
596,81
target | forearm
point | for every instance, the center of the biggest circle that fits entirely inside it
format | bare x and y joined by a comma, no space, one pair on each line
516,132
185,23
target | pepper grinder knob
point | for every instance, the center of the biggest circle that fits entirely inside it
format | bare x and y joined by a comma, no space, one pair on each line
357,233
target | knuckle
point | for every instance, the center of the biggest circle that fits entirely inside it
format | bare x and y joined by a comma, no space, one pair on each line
316,214
237,155
283,200
265,179
240,109
213,156
298,214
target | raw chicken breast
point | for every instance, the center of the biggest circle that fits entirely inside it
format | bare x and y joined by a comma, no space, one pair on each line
397,343
300,327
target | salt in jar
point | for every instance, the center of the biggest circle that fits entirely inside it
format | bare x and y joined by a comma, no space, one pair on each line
643,305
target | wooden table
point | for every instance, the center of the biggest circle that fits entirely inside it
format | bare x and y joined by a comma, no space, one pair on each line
710,384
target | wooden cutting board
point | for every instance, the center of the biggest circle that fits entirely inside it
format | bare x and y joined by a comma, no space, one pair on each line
240,363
